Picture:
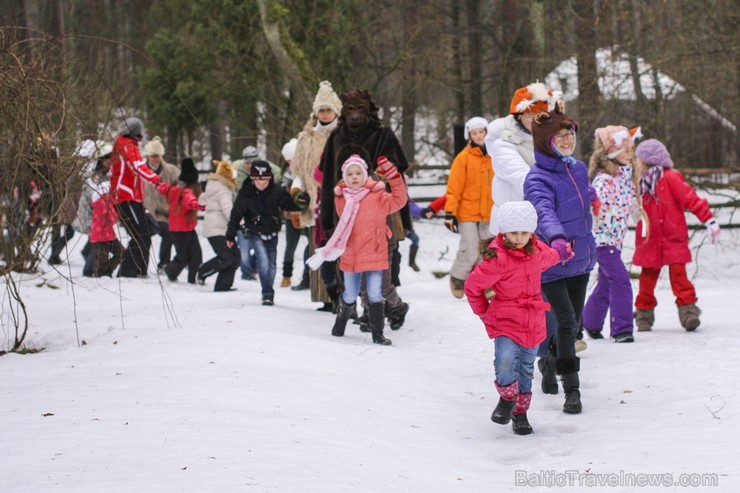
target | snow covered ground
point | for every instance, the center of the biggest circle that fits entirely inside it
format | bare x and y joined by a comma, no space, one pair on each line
176,388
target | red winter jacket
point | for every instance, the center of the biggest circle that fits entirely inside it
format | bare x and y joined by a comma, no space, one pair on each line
667,241
517,311
182,218
104,218
128,169
367,246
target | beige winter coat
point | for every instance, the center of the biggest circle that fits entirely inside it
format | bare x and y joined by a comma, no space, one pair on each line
218,200
154,202
311,142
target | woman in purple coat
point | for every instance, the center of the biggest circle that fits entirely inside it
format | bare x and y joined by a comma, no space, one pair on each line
557,186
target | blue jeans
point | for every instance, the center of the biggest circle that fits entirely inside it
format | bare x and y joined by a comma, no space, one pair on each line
414,238
353,283
266,253
513,363
248,259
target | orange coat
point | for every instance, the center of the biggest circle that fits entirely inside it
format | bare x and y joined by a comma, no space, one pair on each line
469,186
367,246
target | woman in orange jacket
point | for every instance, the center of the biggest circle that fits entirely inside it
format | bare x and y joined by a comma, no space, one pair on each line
469,202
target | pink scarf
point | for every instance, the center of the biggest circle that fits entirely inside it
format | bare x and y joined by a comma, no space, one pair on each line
338,242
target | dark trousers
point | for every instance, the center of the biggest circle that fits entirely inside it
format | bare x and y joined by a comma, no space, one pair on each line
292,237
165,247
58,240
107,254
225,263
567,297
88,252
187,254
136,256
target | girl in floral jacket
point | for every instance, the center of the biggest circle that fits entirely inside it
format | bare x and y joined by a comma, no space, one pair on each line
515,318
610,170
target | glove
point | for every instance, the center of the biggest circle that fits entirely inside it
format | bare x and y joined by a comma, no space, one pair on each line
563,248
386,168
301,199
712,230
451,222
596,207
427,212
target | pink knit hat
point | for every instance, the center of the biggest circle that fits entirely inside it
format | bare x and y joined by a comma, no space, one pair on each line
355,160
616,139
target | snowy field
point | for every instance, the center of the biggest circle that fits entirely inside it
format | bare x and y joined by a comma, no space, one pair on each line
175,388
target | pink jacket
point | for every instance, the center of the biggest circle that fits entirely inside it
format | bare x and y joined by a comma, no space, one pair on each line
667,241
104,219
517,311
367,247
182,215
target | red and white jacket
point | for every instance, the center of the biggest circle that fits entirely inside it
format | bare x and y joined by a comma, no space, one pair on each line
129,171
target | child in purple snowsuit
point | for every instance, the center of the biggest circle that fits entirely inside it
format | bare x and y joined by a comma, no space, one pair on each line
611,173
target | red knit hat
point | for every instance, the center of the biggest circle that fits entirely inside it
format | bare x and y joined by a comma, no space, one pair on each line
532,98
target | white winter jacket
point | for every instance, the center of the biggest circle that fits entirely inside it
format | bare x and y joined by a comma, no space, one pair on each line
512,156
218,199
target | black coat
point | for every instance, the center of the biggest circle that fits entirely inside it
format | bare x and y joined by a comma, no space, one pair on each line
378,141
261,210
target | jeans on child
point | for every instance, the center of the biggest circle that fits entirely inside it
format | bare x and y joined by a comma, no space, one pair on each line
248,261
513,363
414,238
266,253
353,283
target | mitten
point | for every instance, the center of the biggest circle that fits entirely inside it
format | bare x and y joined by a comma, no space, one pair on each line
427,212
563,249
596,206
301,199
451,222
712,230
386,168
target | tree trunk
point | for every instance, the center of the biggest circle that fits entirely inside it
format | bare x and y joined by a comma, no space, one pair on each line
475,48
589,96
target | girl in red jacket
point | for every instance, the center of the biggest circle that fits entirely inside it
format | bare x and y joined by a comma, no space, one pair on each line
360,238
107,250
184,207
512,265
665,239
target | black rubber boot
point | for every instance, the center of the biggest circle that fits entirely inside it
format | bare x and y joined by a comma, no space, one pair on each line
412,258
342,317
377,321
546,365
502,413
520,424
568,369
397,316
333,292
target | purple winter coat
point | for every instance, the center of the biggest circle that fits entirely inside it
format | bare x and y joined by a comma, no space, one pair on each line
559,192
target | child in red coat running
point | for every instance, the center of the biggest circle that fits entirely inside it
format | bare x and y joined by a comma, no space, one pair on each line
184,207
665,196
512,265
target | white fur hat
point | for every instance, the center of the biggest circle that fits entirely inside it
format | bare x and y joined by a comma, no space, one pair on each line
327,98
288,150
517,216
475,123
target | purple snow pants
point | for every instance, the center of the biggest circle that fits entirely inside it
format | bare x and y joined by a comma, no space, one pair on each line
613,293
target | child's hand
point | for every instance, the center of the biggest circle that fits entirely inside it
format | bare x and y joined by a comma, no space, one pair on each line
386,168
163,187
712,230
564,250
427,212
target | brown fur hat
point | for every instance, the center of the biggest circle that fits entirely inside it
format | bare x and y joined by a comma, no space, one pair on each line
546,124
225,170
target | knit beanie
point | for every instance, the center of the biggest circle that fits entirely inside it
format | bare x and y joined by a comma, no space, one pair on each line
288,150
250,153
532,98
546,124
154,147
652,152
517,216
225,170
474,123
617,139
131,127
355,160
327,98
260,170
188,173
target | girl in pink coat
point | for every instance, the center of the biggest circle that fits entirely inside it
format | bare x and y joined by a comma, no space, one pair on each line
360,239
512,265
664,238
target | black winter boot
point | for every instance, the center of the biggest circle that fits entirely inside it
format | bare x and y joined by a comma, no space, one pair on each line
520,424
502,413
377,321
333,292
397,316
546,365
568,369
412,258
342,316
